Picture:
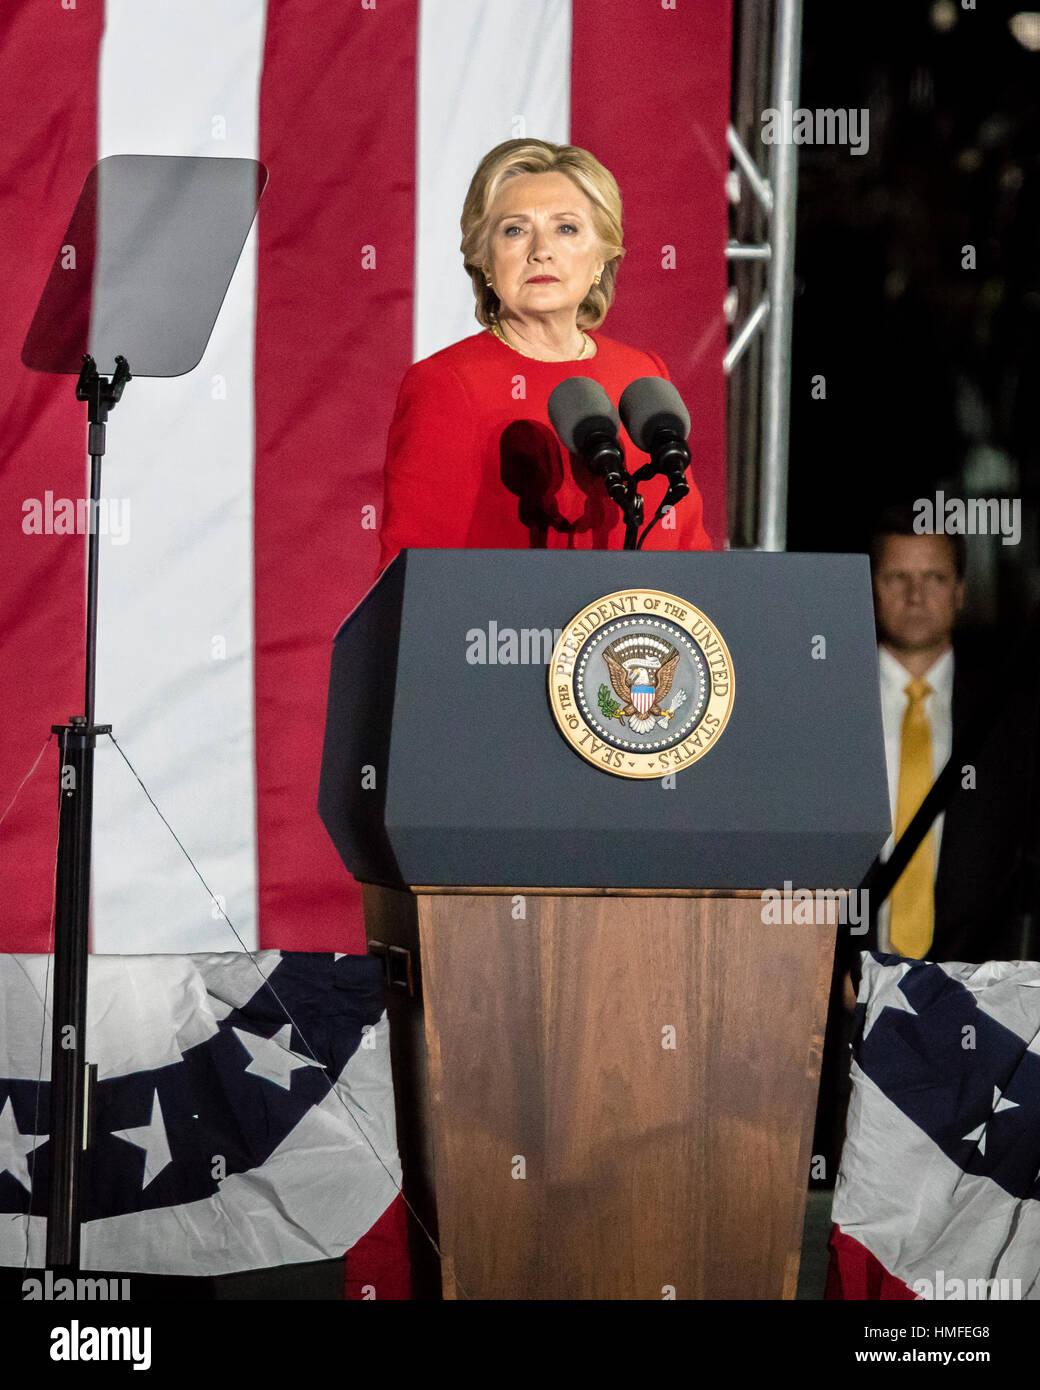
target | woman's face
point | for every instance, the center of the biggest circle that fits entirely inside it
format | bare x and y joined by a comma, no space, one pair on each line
544,251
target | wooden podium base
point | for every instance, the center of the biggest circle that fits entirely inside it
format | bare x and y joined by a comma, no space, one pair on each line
604,1095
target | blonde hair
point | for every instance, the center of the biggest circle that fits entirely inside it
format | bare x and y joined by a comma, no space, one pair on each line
515,157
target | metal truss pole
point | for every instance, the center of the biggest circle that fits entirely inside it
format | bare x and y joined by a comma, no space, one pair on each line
776,385
767,387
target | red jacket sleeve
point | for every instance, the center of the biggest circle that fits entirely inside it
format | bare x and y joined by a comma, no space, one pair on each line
658,362
432,470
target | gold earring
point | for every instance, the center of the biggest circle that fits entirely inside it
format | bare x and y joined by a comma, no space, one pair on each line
596,281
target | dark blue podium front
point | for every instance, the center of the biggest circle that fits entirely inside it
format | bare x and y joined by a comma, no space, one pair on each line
442,763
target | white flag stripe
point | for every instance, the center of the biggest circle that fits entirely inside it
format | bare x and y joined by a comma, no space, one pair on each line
129,988
1004,989
487,73
175,623
965,1225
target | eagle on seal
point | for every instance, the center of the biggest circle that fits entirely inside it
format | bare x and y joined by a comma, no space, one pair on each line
641,685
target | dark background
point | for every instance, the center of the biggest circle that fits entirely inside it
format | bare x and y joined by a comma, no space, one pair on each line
931,370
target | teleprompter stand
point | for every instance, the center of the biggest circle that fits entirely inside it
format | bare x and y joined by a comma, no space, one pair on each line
157,239
76,743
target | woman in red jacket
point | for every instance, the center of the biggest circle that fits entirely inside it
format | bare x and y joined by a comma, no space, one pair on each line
472,460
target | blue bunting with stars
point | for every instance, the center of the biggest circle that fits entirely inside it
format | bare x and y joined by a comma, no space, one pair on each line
243,1115
940,1174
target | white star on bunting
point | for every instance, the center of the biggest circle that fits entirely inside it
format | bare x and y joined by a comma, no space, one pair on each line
999,1103
893,998
271,1057
152,1138
14,1145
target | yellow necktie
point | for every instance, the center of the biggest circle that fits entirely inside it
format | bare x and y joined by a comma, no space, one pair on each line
912,920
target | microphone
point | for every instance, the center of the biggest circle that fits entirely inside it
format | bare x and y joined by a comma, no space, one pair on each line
659,423
587,423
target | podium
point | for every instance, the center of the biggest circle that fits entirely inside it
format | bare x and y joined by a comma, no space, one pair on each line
607,993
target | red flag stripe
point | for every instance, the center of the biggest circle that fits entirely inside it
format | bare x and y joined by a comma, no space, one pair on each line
650,98
334,337
857,1275
48,111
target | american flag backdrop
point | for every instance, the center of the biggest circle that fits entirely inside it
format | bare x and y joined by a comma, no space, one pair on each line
254,483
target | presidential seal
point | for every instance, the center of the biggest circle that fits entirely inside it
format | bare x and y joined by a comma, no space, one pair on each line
641,683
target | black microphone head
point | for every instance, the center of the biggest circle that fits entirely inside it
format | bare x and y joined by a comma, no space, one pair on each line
578,405
649,403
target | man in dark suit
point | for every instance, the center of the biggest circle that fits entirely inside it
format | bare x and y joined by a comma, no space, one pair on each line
980,856
983,865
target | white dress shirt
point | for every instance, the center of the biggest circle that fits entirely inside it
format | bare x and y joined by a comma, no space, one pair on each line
938,706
